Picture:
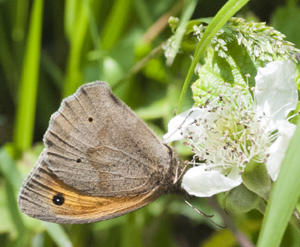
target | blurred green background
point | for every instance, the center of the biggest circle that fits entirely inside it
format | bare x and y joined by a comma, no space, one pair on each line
49,48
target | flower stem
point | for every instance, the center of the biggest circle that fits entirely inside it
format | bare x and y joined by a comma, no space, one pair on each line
240,237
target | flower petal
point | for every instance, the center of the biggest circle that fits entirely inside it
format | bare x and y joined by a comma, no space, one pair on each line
278,149
199,182
275,90
177,124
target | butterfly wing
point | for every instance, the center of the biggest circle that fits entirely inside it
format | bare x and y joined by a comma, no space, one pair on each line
97,145
100,161
43,196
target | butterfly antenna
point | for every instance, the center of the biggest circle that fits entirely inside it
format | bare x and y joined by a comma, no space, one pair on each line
177,178
197,210
206,215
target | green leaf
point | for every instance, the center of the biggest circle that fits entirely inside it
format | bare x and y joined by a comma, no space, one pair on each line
7,224
243,61
13,183
227,11
58,234
213,74
9,169
14,211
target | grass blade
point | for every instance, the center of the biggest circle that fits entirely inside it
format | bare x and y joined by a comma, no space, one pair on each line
58,234
185,17
7,59
20,19
23,132
286,189
115,23
74,75
71,11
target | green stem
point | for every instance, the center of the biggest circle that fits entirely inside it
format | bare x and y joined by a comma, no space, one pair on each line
186,15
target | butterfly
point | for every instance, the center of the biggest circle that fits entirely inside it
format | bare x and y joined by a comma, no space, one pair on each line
100,161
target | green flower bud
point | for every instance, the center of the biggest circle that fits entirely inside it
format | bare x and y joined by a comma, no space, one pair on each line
173,22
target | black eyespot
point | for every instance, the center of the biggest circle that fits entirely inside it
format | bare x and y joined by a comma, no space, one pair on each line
78,160
91,119
58,199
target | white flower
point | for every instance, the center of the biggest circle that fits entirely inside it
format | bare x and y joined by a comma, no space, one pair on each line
210,181
232,130
275,90
279,147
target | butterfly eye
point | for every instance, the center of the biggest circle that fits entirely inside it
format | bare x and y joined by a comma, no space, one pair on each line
91,119
78,160
58,199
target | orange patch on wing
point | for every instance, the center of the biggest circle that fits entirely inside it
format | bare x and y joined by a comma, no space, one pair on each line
79,206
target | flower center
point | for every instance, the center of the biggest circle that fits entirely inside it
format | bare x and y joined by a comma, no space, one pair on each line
230,134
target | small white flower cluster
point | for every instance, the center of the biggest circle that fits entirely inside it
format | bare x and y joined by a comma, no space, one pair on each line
169,48
262,42
232,130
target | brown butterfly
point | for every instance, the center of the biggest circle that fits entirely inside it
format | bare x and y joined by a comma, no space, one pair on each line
100,161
